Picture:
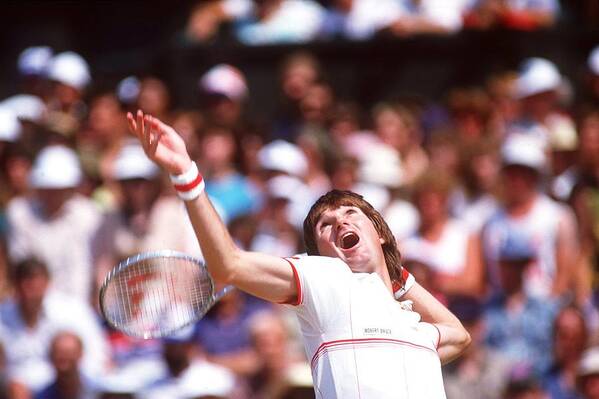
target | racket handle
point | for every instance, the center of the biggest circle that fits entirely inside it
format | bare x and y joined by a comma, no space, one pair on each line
223,292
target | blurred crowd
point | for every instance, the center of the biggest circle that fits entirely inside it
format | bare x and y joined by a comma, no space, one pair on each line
492,193
299,21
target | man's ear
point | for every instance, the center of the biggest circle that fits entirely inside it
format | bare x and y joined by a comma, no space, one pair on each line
382,240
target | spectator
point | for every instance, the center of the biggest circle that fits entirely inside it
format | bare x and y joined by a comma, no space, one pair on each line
588,374
224,183
281,21
359,19
524,209
518,324
481,372
592,88
70,76
523,384
187,377
224,333
154,95
66,351
277,361
538,89
224,90
30,320
513,14
32,65
428,16
40,225
476,202
445,244
570,338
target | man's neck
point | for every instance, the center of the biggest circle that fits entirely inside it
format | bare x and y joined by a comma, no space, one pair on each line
69,384
521,208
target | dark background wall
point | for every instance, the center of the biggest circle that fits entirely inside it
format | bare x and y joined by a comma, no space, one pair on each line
137,37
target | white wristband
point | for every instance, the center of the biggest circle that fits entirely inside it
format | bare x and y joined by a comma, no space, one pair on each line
409,282
189,185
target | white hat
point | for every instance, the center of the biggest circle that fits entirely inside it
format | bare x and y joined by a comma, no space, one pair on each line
283,156
519,149
593,61
537,75
10,128
381,165
226,80
589,362
56,167
132,163
26,107
34,60
70,69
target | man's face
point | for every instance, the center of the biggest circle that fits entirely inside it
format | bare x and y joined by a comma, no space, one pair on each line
348,234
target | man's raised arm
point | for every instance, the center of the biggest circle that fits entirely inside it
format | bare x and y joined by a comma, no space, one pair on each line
262,275
453,337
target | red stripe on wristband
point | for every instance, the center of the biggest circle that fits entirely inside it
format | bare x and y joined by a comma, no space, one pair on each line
189,186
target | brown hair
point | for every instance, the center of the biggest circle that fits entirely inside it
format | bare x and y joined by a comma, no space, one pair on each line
337,198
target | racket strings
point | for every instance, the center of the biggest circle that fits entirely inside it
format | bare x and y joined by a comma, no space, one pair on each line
154,296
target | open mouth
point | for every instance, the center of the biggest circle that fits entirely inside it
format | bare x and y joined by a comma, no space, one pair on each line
349,240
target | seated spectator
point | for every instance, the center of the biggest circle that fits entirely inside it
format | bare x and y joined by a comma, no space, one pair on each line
591,88
428,16
277,362
570,338
544,223
587,379
185,376
154,96
40,225
281,21
476,201
30,320
69,75
523,384
445,244
481,372
224,335
518,324
358,19
32,64
66,351
513,14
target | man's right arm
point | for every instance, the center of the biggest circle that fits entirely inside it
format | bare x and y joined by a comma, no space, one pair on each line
265,276
453,337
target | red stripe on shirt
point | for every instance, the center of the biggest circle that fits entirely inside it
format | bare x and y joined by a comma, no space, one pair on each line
300,297
362,342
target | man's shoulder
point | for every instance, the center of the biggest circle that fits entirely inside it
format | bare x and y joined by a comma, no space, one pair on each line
316,261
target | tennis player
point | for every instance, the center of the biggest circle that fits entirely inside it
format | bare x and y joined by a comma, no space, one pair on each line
362,341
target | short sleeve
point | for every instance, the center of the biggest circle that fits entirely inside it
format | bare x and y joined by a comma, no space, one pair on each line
431,332
323,283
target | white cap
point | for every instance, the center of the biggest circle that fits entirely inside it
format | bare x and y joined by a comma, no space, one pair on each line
283,156
26,107
225,80
70,69
524,150
593,61
56,167
537,75
132,163
381,165
34,60
10,128
589,362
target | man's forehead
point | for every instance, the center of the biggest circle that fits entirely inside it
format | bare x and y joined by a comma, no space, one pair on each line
332,210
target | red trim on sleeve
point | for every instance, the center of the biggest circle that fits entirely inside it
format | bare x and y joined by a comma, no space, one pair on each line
439,336
191,185
298,284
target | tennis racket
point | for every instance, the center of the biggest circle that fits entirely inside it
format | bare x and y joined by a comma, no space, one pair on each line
154,294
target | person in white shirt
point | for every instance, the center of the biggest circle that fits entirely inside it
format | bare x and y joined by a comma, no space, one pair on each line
361,341
30,320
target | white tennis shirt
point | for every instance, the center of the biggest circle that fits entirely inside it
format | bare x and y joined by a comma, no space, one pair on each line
360,342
